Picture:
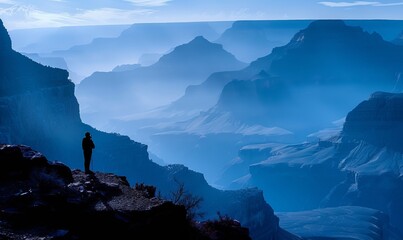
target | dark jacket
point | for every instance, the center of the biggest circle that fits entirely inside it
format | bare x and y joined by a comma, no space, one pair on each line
88,144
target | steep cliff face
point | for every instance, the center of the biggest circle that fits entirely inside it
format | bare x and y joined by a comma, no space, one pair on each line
38,108
5,41
37,103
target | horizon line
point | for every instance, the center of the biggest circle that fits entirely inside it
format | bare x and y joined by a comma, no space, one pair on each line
205,21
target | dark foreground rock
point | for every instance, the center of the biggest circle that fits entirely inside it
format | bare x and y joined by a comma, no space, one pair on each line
44,200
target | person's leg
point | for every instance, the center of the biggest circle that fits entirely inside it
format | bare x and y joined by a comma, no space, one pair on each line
89,162
87,159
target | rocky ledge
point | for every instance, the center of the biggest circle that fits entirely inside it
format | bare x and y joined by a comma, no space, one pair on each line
44,200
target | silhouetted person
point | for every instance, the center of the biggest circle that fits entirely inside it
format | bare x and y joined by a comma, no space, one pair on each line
88,145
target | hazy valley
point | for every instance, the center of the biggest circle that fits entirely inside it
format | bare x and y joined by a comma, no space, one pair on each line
275,123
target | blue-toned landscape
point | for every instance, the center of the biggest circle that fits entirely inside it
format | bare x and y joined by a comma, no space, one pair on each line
206,126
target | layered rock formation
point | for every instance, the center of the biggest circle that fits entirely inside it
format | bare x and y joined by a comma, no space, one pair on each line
346,222
361,167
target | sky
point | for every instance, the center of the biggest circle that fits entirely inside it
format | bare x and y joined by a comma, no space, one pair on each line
54,13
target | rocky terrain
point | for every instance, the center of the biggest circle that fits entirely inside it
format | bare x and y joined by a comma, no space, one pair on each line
45,200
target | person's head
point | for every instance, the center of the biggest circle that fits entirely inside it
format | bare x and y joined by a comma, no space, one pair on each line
87,134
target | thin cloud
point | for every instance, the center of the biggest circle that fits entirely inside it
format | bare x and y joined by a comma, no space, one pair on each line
348,4
359,3
29,17
149,3
7,2
388,4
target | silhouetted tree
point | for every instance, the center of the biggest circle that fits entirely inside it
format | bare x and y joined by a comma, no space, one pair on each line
191,203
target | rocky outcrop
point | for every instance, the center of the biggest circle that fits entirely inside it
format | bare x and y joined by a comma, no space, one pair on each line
44,200
378,121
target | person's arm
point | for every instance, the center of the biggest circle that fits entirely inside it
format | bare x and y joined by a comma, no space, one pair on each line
92,143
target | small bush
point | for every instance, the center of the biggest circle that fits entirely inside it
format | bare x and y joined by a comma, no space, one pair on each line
188,200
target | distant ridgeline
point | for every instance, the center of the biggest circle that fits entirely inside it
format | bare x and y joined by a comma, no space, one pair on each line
298,89
38,108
